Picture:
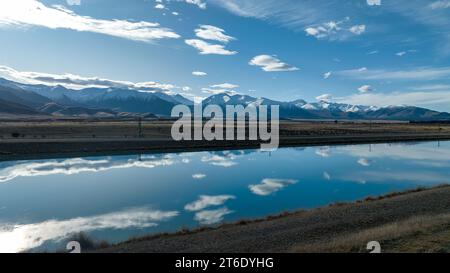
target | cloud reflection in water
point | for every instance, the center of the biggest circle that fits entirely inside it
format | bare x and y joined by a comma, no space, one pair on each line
21,237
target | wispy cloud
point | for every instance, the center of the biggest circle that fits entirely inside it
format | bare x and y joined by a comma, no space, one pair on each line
398,176
310,16
28,13
400,152
433,99
443,4
421,73
79,82
73,2
432,15
271,64
286,12
216,91
335,30
225,86
78,165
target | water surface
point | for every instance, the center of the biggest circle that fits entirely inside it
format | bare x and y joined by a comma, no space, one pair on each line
44,202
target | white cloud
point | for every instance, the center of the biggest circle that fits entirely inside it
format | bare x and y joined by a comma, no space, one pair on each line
293,14
218,91
209,32
206,48
269,186
206,201
78,82
324,97
365,89
358,29
324,30
443,4
334,30
403,53
323,152
299,15
160,6
225,86
374,2
210,217
73,2
424,73
199,176
327,75
22,237
271,64
364,162
25,13
225,161
199,73
198,3
432,99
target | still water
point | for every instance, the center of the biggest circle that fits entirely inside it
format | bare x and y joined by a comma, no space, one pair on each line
114,198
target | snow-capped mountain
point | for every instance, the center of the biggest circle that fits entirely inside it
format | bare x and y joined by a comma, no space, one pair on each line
330,110
117,99
111,101
326,105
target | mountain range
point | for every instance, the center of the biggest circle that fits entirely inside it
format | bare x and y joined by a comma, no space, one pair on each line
300,109
59,101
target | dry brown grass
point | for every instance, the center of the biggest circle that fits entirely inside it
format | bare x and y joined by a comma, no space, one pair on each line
71,129
412,235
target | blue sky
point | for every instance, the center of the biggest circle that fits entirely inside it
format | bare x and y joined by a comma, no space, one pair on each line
358,51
